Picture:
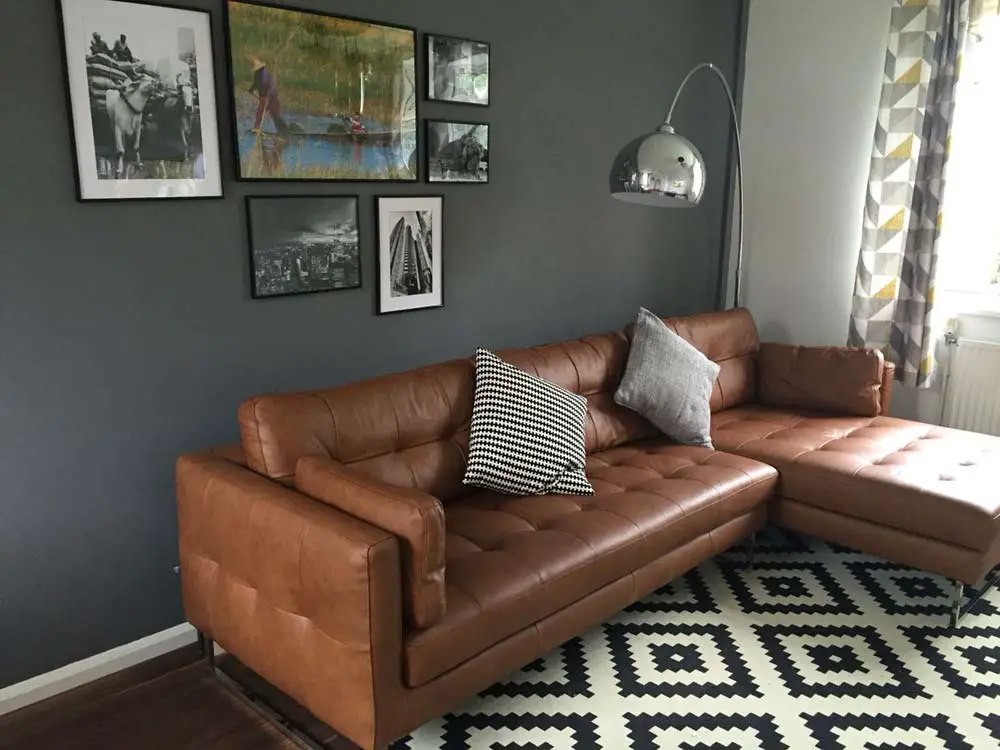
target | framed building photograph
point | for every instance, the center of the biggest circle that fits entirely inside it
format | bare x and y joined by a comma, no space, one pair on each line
141,86
303,244
458,70
458,152
409,253
321,97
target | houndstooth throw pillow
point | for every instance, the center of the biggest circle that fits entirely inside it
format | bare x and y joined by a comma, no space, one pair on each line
527,434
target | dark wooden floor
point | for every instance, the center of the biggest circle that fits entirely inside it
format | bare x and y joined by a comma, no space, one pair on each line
170,703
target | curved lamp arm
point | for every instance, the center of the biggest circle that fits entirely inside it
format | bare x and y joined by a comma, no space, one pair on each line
738,283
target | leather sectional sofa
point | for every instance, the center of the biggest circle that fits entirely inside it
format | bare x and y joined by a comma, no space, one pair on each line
338,555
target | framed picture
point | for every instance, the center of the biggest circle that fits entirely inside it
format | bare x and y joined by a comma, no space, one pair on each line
321,97
458,70
141,86
409,253
458,152
303,244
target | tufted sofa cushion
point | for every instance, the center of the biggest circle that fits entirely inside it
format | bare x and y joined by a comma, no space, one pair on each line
931,481
513,561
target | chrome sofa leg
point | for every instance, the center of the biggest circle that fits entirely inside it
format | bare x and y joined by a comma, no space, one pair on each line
960,608
956,604
299,735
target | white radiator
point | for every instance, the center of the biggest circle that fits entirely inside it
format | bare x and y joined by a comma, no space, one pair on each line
972,397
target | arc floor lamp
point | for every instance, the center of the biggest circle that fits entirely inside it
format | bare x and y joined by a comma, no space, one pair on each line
665,169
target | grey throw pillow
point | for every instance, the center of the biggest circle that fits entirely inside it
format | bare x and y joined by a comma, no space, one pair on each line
669,382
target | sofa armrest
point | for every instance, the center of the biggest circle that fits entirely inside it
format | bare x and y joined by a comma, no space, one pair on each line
840,380
306,596
415,517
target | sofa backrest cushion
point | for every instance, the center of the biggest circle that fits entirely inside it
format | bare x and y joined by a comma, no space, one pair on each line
839,380
412,429
409,429
728,338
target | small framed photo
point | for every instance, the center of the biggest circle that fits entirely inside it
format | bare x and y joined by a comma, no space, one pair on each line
409,253
141,82
458,152
303,244
458,70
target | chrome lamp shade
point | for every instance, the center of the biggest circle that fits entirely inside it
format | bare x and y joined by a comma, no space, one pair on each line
662,168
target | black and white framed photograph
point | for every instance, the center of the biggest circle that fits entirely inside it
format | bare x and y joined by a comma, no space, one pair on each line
458,152
141,83
303,244
409,253
458,70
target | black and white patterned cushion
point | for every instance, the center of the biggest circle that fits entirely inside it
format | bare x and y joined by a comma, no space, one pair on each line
527,435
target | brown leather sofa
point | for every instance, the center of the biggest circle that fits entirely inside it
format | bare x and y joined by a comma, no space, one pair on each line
337,553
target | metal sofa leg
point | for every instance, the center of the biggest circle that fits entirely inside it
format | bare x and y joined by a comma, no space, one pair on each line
298,734
960,608
751,552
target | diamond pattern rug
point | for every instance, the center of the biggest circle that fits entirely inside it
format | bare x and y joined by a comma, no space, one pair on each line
817,647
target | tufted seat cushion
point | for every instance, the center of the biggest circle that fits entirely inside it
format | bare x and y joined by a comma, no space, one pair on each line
512,561
931,481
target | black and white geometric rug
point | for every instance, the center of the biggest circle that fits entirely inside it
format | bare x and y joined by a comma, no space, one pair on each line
817,647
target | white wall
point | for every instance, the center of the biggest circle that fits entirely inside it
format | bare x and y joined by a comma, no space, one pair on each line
810,101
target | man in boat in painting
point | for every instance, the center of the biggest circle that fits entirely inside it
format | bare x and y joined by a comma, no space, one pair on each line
265,88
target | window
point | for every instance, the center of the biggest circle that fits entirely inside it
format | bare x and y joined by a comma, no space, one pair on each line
970,235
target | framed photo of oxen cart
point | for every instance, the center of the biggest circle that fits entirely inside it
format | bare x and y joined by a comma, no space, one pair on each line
321,97
303,244
458,70
141,87
409,253
458,152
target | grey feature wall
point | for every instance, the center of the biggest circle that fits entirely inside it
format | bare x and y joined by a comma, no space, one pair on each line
127,332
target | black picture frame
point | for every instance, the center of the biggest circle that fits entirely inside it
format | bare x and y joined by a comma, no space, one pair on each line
429,62
74,131
381,264
234,110
251,200
429,156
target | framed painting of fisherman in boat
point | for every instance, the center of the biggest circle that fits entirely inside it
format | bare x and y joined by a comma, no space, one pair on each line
321,97
142,93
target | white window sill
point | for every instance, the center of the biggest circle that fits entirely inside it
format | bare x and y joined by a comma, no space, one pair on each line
955,302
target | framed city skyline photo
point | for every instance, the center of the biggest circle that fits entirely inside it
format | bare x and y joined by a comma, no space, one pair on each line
321,97
409,253
141,83
303,244
458,70
458,152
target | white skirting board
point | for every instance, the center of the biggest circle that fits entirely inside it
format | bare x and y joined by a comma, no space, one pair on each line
79,673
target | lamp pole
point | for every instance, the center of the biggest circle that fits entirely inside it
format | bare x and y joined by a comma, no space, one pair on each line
738,281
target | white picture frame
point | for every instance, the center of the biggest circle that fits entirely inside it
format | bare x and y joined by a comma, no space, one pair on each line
410,249
141,74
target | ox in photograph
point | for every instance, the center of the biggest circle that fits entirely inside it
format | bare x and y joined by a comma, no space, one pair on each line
409,254
142,90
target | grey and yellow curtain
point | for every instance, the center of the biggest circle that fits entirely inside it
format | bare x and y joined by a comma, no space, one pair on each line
894,290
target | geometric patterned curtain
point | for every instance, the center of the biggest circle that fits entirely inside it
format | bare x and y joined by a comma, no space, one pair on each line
894,289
